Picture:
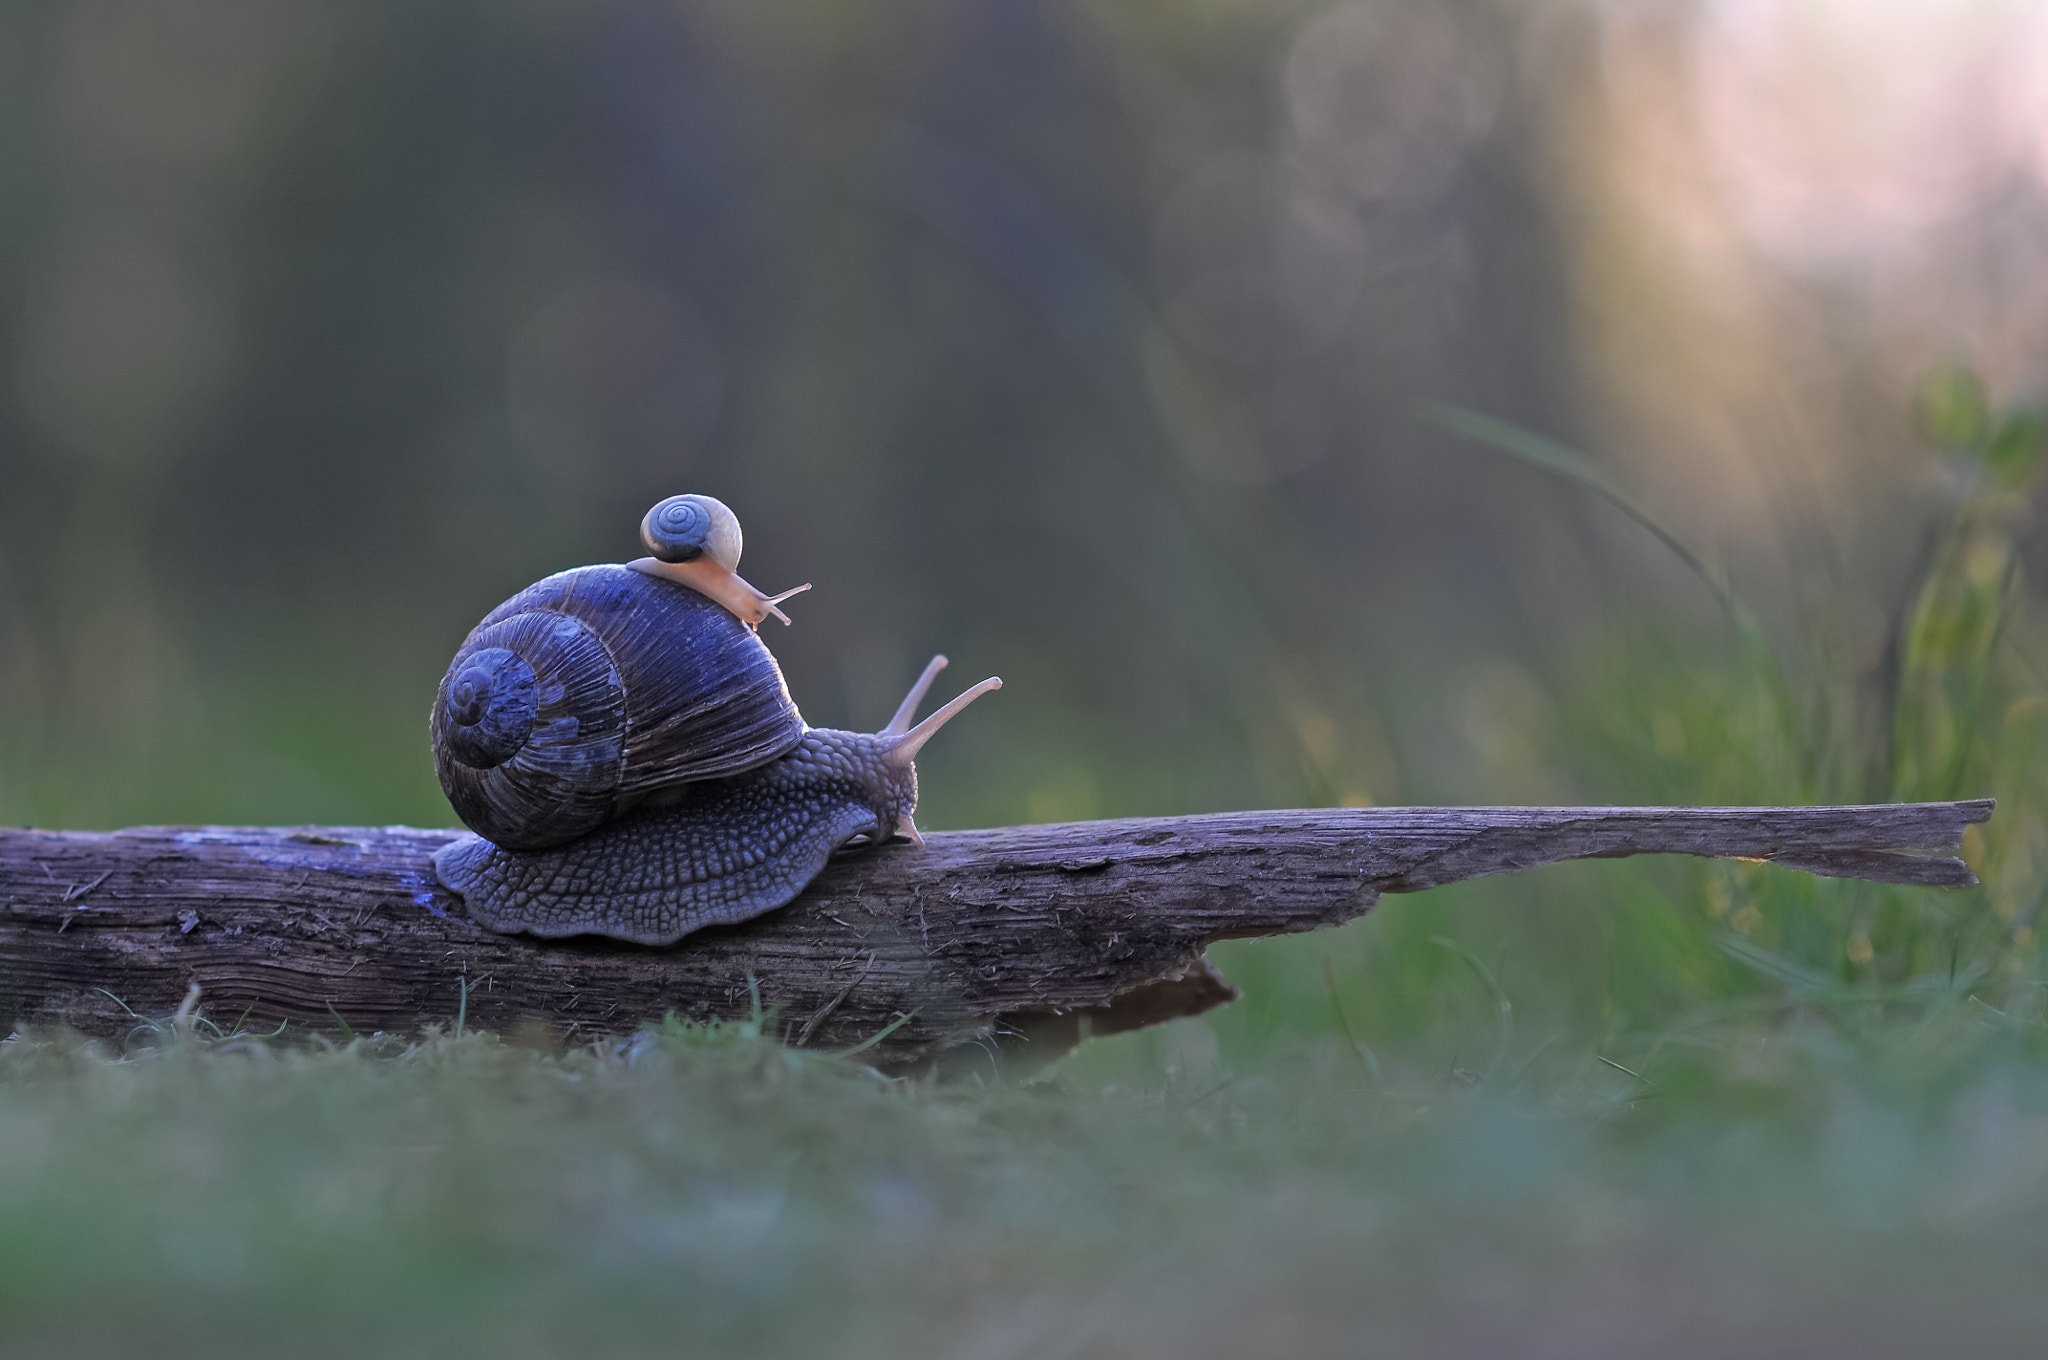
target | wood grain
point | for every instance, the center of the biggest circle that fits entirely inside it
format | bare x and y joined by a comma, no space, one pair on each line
1026,936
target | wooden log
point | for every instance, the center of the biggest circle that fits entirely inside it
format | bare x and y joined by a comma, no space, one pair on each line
1030,935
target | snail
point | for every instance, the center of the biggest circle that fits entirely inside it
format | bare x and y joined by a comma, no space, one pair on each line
623,745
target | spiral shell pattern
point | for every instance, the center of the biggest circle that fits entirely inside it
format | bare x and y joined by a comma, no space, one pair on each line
583,692
684,528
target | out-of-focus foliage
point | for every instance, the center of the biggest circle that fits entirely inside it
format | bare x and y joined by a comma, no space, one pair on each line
1078,342
1678,952
1295,402
1084,342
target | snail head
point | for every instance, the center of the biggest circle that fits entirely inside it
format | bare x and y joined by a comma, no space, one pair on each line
896,745
695,541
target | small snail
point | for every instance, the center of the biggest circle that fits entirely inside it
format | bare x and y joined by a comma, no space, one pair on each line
625,748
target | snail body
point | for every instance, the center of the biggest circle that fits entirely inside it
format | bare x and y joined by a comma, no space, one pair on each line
627,752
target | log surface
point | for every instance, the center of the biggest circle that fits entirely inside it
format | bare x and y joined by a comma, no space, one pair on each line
1029,935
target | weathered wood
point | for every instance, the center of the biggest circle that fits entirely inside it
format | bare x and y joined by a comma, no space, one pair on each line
1038,932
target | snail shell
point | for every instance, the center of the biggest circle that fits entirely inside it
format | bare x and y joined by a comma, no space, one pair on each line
585,691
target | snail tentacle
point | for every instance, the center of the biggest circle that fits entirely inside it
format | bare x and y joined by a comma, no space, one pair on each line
903,747
906,712
728,588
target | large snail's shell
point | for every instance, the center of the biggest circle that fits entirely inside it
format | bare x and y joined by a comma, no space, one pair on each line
585,690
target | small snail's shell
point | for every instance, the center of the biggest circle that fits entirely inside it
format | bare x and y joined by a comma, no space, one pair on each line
588,689
684,528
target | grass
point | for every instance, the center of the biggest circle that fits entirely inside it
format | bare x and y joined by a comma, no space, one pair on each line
705,1191
1641,1107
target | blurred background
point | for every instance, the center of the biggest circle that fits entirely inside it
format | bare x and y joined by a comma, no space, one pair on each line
1118,349
1297,403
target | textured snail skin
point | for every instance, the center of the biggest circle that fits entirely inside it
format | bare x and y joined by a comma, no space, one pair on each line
711,853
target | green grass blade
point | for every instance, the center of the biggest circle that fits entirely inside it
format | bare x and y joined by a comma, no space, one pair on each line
1564,461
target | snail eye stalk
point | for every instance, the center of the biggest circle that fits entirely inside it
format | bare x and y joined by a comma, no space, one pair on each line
728,588
906,711
902,747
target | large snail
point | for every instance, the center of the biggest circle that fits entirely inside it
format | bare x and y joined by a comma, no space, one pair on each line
625,748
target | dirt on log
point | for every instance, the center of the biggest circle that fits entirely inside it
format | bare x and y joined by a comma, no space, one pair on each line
1018,938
